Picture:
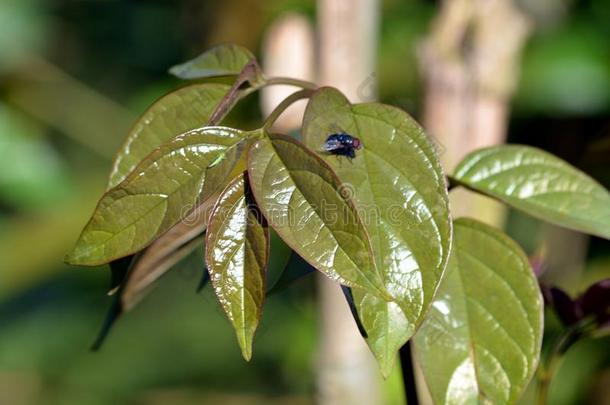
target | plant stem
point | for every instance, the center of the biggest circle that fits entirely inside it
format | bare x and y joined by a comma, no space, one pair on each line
408,374
548,371
235,94
287,102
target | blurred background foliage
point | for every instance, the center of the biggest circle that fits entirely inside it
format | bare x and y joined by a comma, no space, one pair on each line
73,76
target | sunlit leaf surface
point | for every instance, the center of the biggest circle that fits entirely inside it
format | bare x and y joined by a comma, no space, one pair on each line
539,184
160,192
237,253
481,340
397,184
223,60
300,197
387,328
175,113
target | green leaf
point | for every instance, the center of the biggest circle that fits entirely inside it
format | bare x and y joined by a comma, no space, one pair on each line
300,197
481,340
175,244
223,60
397,182
539,184
159,193
295,269
237,253
279,261
386,326
175,113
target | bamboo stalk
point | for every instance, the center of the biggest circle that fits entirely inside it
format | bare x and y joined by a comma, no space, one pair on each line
347,31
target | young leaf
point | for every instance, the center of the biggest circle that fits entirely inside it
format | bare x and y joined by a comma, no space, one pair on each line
117,306
296,268
175,113
300,197
118,272
205,279
396,180
154,197
112,315
237,252
280,261
349,297
222,60
539,184
481,340
165,252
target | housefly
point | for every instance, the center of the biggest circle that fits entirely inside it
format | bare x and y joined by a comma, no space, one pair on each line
342,144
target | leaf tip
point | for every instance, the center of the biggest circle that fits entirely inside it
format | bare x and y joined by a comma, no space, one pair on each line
73,257
176,71
385,362
386,367
81,256
246,350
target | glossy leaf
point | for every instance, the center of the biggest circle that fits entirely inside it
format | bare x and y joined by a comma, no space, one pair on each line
539,184
481,340
300,197
154,261
396,180
175,113
237,253
154,197
223,60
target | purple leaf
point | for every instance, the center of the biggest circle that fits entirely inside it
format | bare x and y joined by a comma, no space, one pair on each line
596,301
565,307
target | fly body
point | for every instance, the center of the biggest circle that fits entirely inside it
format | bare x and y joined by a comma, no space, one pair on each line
342,144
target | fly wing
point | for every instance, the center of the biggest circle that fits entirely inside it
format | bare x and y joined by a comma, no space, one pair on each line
332,144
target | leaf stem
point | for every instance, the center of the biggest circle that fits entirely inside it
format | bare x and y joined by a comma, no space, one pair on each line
287,102
249,72
451,183
408,374
547,371
291,82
